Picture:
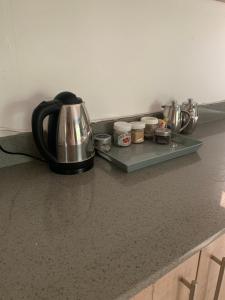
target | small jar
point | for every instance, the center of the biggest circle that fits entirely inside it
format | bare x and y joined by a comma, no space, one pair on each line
151,124
137,132
103,142
122,134
163,136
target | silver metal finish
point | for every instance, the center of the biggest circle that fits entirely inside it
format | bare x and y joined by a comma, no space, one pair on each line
74,135
221,263
192,108
103,142
163,132
103,138
191,286
173,115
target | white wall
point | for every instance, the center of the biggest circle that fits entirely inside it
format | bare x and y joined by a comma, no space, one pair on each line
122,56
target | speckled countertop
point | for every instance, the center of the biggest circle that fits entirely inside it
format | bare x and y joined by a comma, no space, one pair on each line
105,234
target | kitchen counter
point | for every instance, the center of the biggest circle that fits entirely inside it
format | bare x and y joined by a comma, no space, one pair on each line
105,234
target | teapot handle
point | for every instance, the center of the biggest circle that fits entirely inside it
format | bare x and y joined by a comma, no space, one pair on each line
188,121
41,111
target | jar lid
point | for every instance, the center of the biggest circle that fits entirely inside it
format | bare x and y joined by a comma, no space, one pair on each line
103,137
137,125
150,120
163,132
122,126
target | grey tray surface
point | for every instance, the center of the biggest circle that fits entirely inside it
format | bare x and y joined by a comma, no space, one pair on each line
138,156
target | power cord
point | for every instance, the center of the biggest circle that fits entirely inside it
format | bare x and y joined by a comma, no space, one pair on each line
7,129
21,153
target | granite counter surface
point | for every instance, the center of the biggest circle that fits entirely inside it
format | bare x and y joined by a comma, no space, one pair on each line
105,234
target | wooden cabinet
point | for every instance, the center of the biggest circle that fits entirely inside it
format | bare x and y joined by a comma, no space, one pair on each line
172,286
210,271
201,277
146,294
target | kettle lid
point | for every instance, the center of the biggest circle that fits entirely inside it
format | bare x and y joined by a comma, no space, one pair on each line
68,98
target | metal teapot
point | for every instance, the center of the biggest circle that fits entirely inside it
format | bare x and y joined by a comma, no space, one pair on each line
192,108
174,116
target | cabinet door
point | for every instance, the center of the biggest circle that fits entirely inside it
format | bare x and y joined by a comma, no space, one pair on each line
179,284
146,294
210,271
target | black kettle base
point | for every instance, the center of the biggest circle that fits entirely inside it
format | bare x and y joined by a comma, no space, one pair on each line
72,168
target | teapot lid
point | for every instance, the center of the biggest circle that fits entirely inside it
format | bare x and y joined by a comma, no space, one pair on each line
172,103
190,103
68,98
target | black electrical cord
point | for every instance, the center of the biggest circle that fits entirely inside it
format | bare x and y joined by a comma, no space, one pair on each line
21,153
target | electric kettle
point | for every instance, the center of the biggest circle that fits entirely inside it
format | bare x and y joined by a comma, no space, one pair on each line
69,146
173,114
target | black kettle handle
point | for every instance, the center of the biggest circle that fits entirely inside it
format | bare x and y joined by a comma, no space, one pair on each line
44,109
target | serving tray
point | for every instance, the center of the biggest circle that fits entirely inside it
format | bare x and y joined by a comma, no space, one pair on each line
138,156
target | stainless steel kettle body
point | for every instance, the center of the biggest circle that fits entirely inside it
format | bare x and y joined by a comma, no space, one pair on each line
69,148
